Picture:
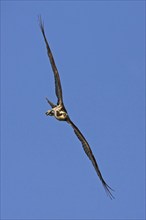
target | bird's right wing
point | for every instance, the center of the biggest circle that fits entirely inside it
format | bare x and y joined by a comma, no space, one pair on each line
89,153
58,88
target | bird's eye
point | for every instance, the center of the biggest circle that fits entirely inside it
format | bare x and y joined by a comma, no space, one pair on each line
52,112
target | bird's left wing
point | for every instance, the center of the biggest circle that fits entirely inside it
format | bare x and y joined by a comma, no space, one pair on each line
58,88
89,153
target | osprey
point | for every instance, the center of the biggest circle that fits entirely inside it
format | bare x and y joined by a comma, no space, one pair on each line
60,113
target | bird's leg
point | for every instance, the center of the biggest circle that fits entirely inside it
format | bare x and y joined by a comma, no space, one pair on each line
50,103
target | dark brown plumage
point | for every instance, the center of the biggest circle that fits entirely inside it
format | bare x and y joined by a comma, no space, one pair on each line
60,113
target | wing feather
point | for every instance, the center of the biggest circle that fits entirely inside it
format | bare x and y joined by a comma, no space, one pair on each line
89,153
58,88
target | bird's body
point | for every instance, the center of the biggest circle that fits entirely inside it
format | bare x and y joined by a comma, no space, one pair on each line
60,113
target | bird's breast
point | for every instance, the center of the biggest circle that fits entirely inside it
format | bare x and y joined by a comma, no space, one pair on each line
60,115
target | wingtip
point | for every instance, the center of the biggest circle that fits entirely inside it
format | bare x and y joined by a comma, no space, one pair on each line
41,23
108,190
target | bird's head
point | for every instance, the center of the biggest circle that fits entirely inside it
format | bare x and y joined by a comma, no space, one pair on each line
50,113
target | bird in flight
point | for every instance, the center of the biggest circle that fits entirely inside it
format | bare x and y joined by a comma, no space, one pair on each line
60,113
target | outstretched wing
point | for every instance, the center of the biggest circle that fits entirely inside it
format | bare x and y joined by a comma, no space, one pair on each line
89,153
58,88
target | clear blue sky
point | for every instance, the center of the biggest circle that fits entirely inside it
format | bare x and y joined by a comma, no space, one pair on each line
99,51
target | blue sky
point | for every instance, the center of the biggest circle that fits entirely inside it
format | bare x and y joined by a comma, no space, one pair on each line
99,50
